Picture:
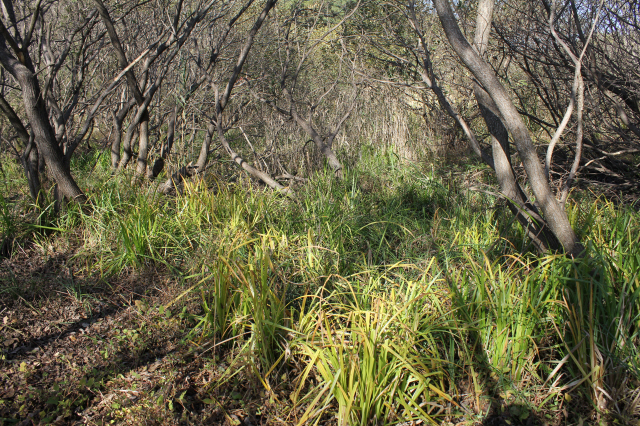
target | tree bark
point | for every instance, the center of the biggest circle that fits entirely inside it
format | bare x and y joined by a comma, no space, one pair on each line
223,99
29,157
258,174
204,150
554,214
135,89
142,118
30,164
117,130
143,147
537,230
36,111
158,165
323,147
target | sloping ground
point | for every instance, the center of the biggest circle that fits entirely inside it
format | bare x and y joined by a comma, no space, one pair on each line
77,350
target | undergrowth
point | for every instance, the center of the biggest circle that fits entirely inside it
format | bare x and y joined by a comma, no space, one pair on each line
395,294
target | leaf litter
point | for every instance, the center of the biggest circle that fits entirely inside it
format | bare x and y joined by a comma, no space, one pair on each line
78,349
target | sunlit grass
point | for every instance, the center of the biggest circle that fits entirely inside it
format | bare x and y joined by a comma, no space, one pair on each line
392,295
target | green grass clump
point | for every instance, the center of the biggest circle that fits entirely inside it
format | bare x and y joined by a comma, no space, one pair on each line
373,350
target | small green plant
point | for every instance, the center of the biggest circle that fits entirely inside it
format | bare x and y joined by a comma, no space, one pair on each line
264,305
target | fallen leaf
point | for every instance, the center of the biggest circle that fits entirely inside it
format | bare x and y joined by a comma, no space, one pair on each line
142,306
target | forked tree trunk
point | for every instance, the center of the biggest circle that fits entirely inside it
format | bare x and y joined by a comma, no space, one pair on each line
554,214
143,114
36,111
320,143
141,118
117,130
189,170
517,201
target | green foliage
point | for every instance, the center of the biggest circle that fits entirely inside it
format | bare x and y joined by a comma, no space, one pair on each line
7,219
373,350
602,305
506,305
389,296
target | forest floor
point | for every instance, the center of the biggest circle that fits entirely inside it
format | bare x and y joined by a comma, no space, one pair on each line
112,317
79,350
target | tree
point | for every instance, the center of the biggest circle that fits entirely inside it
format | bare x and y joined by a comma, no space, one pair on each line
301,89
223,94
554,214
169,42
15,57
601,37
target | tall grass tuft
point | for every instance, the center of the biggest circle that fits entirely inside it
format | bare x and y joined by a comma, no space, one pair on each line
373,352
506,305
601,302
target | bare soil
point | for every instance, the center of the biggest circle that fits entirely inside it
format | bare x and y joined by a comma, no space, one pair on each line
77,349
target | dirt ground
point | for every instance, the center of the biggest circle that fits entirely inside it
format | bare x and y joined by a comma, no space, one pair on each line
76,349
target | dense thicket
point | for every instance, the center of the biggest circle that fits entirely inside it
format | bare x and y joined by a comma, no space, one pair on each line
284,88
357,261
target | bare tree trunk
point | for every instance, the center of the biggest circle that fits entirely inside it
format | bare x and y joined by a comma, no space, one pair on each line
29,157
258,174
158,165
223,100
204,150
323,147
117,140
119,51
429,78
117,130
143,147
526,213
143,118
189,170
127,152
30,165
171,132
554,214
36,111
537,231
